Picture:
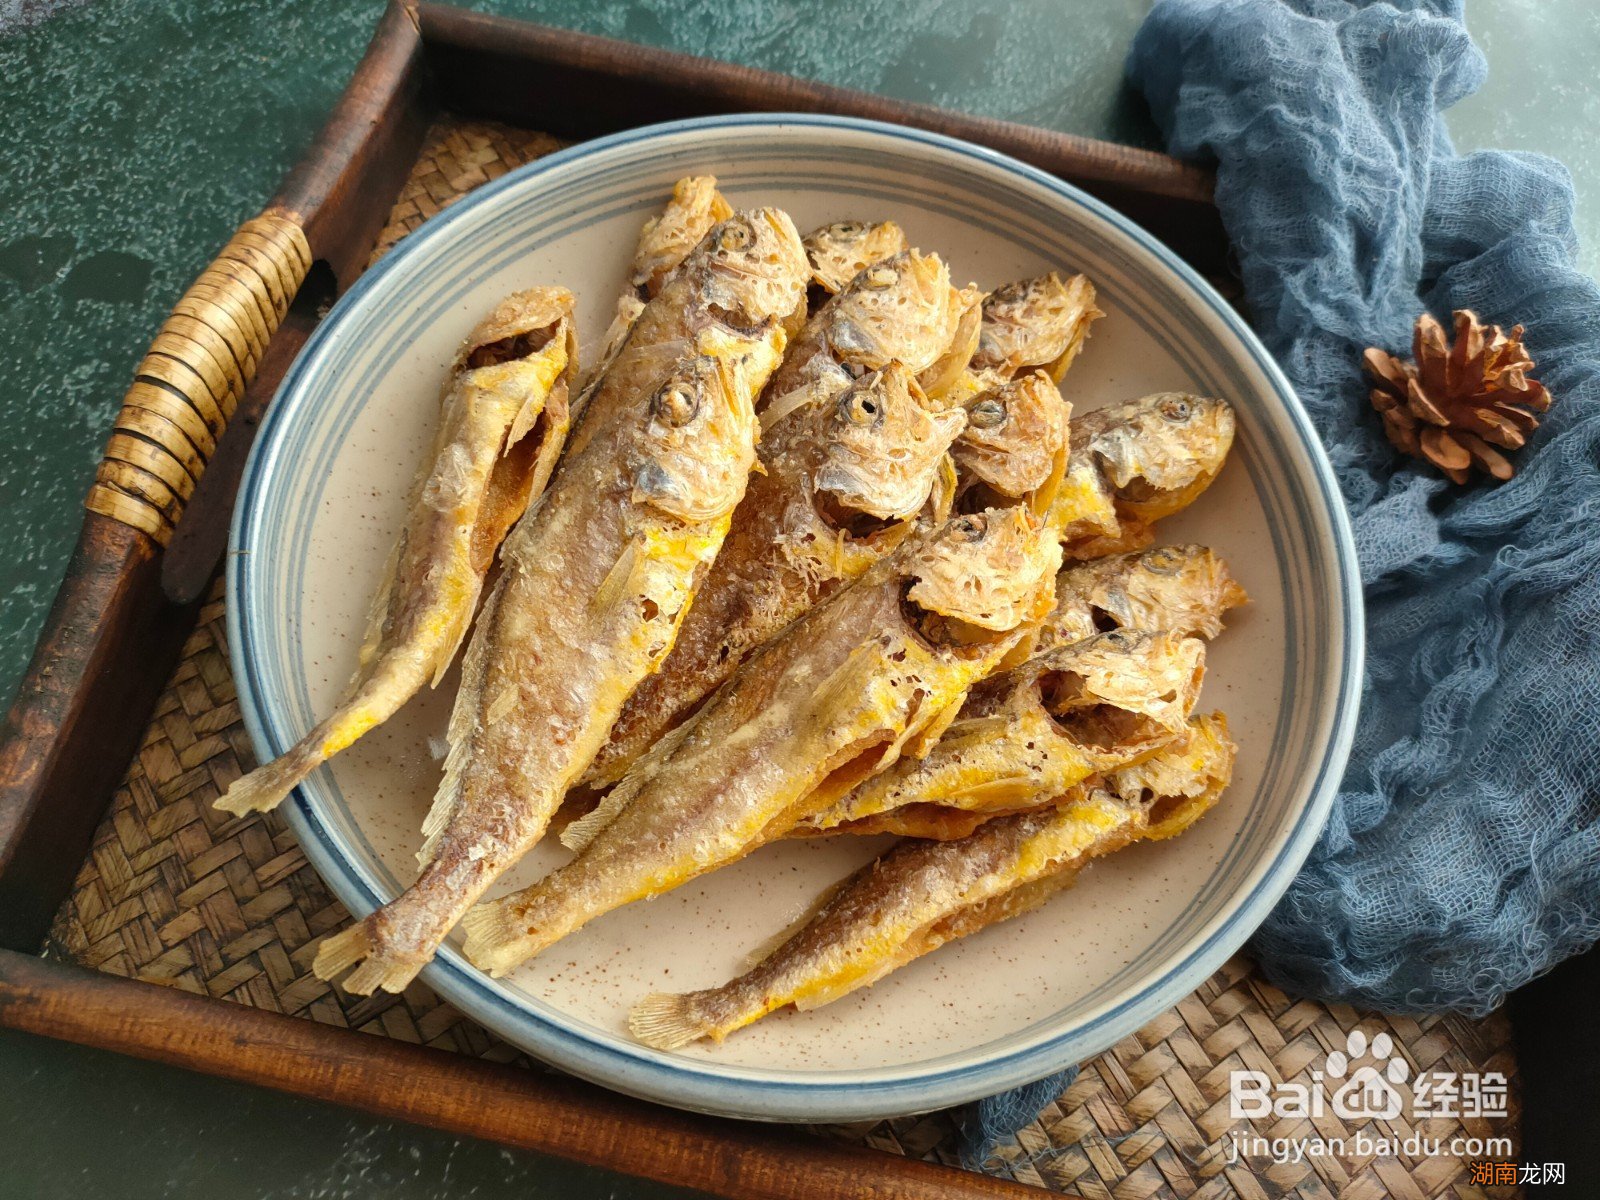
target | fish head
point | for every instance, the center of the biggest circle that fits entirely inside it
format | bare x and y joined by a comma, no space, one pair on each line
1123,690
979,576
1181,781
842,250
900,308
697,446
882,442
1186,588
520,326
668,238
1015,441
1156,453
1036,323
750,267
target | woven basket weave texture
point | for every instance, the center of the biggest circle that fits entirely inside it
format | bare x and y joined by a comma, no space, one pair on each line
177,893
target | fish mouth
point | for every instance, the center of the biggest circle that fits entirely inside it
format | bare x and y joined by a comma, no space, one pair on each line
940,632
856,524
511,348
1088,721
737,320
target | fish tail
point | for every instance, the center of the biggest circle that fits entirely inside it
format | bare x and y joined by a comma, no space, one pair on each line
376,969
266,786
667,1021
496,940
372,702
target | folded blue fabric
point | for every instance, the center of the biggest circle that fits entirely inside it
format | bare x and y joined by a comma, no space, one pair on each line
1463,855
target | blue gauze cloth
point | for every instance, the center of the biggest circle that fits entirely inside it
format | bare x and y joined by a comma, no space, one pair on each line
1463,855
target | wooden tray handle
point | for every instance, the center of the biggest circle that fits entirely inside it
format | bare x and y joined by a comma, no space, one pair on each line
197,368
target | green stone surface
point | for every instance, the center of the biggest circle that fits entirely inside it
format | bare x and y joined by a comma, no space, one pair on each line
140,132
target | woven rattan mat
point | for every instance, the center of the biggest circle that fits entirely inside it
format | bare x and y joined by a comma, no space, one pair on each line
177,893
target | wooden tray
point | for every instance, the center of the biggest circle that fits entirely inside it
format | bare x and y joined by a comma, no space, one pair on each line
125,727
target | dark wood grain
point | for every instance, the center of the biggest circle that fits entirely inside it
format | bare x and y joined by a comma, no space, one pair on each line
551,1114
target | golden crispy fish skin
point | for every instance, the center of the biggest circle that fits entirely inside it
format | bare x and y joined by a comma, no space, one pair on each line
832,700
920,895
596,582
846,476
900,308
504,420
1182,588
1031,732
1034,324
1136,462
841,251
665,241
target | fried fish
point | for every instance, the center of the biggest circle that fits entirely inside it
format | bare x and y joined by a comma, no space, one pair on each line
847,474
665,241
1028,734
835,699
920,895
1182,588
504,420
1134,463
841,251
596,580
902,307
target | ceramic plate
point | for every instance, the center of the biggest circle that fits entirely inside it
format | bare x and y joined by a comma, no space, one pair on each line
323,500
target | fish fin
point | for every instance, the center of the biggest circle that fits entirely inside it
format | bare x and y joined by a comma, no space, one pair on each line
376,970
618,581
586,828
666,1021
266,786
463,720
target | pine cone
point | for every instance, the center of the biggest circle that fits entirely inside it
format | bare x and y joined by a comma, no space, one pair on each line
1455,403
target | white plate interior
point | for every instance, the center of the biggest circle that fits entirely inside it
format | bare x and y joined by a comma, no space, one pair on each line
327,490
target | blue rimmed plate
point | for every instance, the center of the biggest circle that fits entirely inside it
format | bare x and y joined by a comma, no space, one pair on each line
323,498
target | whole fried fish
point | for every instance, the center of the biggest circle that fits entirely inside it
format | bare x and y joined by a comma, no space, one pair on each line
835,699
504,420
841,251
596,581
900,308
1136,462
665,241
920,895
847,474
1028,734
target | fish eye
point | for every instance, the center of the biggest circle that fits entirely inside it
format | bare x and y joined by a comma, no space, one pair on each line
859,406
735,235
988,413
972,527
849,228
1164,559
677,404
882,277
1120,639
1177,410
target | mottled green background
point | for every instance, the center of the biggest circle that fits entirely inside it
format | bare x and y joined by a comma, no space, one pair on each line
138,133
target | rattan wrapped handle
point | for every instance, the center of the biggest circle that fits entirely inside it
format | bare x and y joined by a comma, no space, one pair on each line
197,368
